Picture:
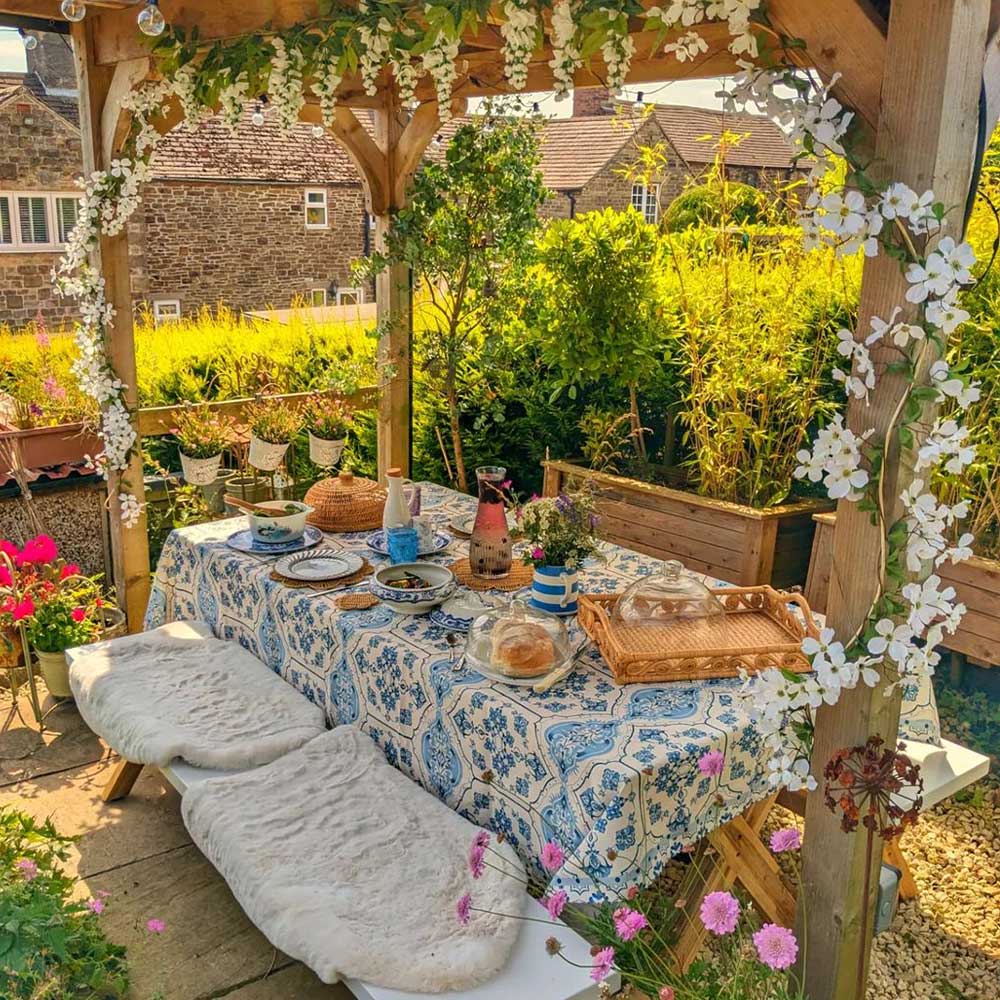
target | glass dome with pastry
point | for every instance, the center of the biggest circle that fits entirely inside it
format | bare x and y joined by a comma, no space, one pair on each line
517,645
665,598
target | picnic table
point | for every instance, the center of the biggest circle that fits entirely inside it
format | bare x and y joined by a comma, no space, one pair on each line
611,772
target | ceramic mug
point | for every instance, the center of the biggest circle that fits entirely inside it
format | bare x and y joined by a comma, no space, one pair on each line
425,532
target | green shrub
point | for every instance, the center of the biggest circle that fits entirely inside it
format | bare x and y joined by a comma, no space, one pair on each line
702,205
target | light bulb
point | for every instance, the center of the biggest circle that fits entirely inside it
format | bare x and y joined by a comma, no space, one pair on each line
151,20
30,42
73,10
318,131
258,116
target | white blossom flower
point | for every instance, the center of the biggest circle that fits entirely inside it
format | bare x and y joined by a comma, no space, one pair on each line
948,442
934,277
945,313
835,458
952,386
520,31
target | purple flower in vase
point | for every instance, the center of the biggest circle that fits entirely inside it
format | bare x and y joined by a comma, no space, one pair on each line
564,504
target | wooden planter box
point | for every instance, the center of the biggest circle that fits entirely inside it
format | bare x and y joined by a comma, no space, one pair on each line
40,447
737,544
976,581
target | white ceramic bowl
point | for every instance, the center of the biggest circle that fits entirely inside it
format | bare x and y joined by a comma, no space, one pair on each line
286,528
440,586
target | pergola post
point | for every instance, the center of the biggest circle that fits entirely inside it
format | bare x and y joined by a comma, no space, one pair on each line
129,546
926,138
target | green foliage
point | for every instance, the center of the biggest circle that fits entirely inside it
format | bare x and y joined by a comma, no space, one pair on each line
273,420
53,627
201,432
51,945
559,530
703,205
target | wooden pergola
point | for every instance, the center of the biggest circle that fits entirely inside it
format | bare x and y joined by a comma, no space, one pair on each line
923,77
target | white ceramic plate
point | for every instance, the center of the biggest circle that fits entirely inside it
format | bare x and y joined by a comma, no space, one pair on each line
319,566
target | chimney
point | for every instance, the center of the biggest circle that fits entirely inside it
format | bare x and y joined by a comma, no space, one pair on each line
589,102
52,60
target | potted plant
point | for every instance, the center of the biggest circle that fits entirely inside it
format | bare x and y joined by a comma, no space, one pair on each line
560,532
273,423
327,421
202,435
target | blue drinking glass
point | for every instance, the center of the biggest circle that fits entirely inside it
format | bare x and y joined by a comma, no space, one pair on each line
404,545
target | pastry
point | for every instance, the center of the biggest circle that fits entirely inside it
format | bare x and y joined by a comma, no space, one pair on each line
523,649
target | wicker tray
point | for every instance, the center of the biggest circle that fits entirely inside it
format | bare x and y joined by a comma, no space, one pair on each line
759,629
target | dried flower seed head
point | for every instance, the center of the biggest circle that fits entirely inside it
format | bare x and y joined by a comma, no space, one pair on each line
552,946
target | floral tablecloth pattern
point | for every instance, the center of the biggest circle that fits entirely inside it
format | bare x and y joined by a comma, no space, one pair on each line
609,771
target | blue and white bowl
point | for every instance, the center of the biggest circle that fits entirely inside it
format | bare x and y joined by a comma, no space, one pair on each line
278,530
440,586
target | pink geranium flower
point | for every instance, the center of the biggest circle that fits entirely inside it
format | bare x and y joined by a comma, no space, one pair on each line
463,909
24,608
477,864
78,614
787,839
6,580
667,993
720,912
776,946
27,868
41,549
629,922
155,926
556,903
553,856
603,961
11,550
70,569
712,763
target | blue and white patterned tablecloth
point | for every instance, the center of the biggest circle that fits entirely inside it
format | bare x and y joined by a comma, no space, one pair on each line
598,766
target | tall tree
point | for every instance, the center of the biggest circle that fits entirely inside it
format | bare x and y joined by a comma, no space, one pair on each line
467,234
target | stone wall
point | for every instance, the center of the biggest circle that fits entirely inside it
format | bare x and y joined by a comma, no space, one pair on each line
242,244
39,151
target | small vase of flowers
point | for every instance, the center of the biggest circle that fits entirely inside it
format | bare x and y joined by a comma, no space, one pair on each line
202,435
273,423
328,420
561,533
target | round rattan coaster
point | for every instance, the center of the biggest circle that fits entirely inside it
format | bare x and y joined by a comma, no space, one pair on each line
520,576
356,602
339,584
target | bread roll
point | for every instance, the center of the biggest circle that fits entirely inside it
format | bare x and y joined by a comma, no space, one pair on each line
523,649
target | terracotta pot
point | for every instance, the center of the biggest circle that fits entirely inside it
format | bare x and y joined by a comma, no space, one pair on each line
55,673
326,454
200,471
264,455
40,447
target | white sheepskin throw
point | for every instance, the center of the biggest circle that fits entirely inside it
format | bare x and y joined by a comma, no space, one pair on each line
179,692
346,864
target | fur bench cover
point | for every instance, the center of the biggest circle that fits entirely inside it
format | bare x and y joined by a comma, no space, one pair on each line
177,691
346,864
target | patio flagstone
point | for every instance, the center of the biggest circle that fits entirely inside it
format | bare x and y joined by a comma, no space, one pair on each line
295,982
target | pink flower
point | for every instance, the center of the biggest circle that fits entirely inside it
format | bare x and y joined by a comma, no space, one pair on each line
27,868
787,839
481,839
96,905
5,578
53,389
506,484
712,763
155,926
720,912
553,856
11,550
667,993
629,922
78,614
70,569
537,553
603,961
776,946
556,903
464,909
41,549
632,892
476,863
24,608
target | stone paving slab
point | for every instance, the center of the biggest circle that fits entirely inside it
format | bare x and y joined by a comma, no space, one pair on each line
293,983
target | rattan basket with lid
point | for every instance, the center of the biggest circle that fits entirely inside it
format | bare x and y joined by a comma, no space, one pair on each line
347,503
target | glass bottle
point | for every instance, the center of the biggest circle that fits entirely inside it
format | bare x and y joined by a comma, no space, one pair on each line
491,550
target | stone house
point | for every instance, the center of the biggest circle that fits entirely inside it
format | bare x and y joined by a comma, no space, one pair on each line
586,158
255,220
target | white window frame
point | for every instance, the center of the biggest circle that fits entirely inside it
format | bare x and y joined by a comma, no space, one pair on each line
313,292
646,201
160,304
324,203
17,245
356,293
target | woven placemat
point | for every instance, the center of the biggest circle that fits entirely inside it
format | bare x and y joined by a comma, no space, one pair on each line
356,602
520,576
340,584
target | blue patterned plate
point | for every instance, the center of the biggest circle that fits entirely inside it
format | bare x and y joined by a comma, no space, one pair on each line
243,541
377,541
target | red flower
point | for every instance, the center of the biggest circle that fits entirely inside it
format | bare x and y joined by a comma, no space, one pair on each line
78,614
23,609
70,569
41,549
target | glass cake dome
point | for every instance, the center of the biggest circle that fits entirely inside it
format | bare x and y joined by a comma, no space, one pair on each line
664,598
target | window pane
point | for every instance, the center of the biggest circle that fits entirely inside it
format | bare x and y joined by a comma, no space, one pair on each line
33,217
6,229
639,197
317,297
316,197
66,209
315,216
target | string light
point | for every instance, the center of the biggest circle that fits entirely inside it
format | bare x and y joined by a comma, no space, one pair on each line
73,10
639,105
436,142
151,20
318,131
258,114
30,42
536,108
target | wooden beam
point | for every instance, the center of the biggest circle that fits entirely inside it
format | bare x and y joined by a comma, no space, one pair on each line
926,138
114,122
129,546
370,161
122,779
991,83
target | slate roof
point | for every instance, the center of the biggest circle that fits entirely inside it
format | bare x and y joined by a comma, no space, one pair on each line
65,107
574,150
262,153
